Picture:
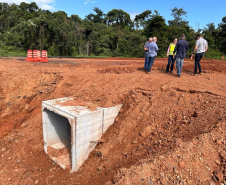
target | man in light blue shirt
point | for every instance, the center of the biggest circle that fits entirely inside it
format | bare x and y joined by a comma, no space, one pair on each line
153,48
146,50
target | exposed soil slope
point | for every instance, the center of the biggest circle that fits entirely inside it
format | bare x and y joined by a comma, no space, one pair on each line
170,130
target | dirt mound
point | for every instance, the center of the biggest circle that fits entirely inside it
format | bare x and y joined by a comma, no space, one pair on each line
198,161
169,131
119,70
176,141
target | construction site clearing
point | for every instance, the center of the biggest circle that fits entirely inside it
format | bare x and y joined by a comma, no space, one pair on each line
169,130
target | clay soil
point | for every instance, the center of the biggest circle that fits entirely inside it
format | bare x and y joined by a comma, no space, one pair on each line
170,130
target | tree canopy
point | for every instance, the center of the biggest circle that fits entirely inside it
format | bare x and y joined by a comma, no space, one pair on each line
26,26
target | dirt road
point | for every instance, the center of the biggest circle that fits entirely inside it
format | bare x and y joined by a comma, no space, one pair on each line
170,130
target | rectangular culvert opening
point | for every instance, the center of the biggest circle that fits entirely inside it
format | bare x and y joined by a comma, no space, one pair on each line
58,138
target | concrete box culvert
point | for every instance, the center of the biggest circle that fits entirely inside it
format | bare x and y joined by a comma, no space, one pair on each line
70,133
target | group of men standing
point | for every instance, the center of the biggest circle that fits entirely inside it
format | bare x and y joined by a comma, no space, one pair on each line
176,51
151,50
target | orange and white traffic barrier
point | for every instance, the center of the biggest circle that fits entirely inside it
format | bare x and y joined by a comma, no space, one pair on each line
29,56
35,56
39,56
44,56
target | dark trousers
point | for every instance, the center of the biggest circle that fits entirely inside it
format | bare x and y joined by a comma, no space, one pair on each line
171,61
198,57
150,63
146,61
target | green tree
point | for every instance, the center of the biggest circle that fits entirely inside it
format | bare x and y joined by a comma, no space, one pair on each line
178,15
222,36
157,28
96,18
142,19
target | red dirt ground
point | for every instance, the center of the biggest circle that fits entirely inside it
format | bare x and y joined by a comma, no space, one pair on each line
170,130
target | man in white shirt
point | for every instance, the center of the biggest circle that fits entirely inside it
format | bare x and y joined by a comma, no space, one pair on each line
200,48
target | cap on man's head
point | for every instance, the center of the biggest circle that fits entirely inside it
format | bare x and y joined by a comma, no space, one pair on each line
183,35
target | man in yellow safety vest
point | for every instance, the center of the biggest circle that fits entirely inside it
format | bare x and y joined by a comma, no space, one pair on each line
171,60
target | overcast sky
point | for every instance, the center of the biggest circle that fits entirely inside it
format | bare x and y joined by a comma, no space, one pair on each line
200,12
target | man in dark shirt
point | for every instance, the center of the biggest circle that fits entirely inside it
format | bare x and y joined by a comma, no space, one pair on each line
180,50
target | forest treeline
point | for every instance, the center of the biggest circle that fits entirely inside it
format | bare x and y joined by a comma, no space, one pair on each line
26,26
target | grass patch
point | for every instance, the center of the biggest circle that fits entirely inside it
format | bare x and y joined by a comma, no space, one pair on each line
4,53
92,56
78,56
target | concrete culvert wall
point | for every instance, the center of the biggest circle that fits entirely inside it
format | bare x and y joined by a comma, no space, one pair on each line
59,129
70,133
57,138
